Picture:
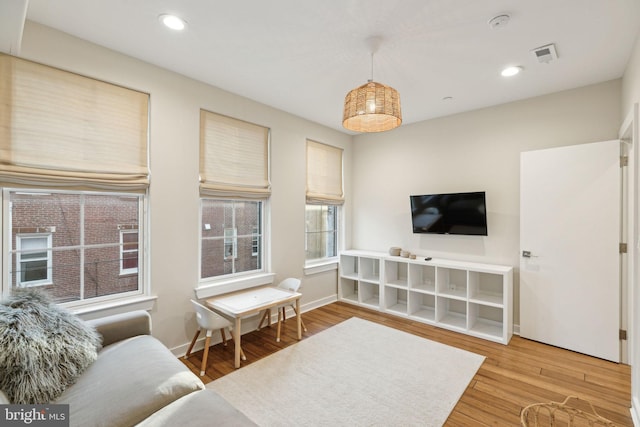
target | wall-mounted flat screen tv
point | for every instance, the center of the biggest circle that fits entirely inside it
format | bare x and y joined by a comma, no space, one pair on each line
450,213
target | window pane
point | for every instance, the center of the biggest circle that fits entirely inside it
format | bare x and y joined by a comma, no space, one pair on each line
321,231
105,216
33,271
231,237
102,273
39,212
84,260
129,260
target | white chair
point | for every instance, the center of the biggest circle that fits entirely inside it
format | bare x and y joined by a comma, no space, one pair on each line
209,321
290,284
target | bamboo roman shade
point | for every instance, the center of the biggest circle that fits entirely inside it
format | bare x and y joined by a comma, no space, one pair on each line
324,174
63,130
234,158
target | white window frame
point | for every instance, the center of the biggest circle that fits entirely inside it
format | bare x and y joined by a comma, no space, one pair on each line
49,258
319,265
336,232
140,299
123,251
212,286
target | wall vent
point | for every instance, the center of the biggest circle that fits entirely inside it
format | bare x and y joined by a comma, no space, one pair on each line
545,54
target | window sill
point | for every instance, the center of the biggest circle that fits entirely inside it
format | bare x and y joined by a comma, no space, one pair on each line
108,308
321,266
206,290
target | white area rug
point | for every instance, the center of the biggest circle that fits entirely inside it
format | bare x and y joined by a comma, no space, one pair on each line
357,373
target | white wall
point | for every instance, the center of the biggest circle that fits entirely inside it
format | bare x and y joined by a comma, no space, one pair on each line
474,151
631,81
174,201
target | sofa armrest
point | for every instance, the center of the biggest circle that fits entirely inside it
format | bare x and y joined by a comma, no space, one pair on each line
122,326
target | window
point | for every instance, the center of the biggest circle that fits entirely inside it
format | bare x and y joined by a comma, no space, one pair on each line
234,191
128,251
33,259
321,234
62,131
324,197
255,243
73,243
231,241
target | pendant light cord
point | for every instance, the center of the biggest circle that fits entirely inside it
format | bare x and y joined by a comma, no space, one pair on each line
371,79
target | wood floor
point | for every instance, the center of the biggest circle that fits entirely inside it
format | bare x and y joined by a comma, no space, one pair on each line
510,378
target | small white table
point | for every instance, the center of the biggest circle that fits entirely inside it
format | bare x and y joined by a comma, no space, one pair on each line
251,301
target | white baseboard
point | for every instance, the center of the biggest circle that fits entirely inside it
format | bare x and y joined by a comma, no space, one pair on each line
251,324
635,412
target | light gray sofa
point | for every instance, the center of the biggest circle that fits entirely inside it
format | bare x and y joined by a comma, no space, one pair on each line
137,381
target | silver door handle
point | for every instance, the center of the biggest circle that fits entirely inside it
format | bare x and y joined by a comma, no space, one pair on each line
527,254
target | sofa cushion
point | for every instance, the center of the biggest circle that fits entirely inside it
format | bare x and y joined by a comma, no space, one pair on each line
204,408
130,380
43,347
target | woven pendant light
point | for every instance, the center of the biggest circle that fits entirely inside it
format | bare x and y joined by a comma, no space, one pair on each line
372,107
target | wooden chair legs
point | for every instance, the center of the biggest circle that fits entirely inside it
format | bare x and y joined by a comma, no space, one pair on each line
266,315
193,342
304,328
224,341
282,317
207,344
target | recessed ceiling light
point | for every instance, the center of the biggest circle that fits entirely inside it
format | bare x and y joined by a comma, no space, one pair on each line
447,98
173,22
510,71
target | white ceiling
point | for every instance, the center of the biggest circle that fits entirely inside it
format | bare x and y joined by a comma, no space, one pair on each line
303,56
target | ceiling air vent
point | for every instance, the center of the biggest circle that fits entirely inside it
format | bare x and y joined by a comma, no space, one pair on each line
545,54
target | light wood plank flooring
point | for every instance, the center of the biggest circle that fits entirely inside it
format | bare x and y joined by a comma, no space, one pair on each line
510,378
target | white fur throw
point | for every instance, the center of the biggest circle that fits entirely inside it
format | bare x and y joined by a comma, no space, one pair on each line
43,347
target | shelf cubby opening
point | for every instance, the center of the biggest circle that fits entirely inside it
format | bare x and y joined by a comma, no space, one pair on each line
349,289
395,300
486,320
486,288
370,269
396,273
452,312
349,266
369,294
423,278
422,306
452,282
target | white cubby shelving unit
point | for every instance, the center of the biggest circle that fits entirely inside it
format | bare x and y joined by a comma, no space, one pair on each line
467,297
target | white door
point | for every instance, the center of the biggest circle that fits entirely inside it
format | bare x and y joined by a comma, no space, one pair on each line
569,242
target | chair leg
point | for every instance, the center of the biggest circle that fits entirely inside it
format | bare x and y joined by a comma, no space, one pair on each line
224,337
207,343
193,342
279,326
304,328
264,316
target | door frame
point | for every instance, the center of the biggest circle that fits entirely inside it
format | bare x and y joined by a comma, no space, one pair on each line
631,348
